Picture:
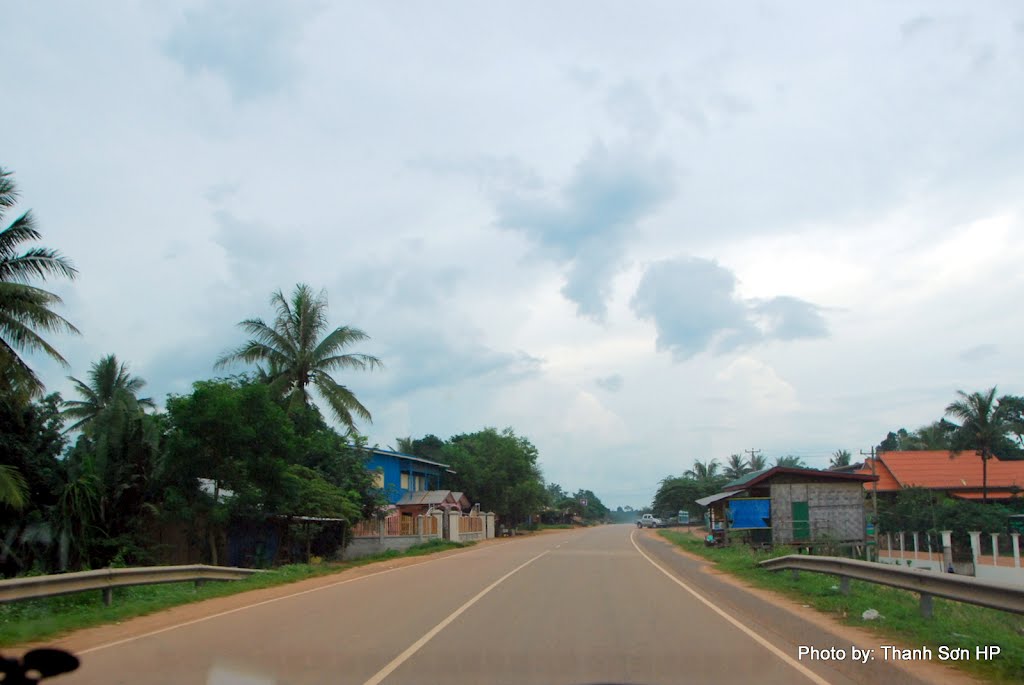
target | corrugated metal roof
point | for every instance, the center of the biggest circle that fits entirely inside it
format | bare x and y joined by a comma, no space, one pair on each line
426,497
711,499
752,479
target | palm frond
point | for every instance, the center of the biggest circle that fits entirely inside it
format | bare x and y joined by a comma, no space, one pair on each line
341,400
339,339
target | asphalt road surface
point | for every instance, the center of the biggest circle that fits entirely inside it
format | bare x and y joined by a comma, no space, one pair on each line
603,605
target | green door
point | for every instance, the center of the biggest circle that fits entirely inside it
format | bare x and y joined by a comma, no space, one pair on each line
801,522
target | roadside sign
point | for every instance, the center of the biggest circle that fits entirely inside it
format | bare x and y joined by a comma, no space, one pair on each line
684,518
583,502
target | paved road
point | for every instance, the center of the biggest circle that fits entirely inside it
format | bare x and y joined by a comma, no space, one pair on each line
576,607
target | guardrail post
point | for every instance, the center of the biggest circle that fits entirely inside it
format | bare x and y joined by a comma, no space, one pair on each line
975,545
1016,549
108,596
844,585
926,605
200,582
794,573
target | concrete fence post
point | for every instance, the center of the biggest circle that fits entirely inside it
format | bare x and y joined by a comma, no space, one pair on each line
489,525
947,548
888,542
1016,549
419,526
439,521
381,527
453,525
914,534
975,545
902,546
995,548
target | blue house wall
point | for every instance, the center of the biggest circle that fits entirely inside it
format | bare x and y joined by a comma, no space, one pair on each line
394,464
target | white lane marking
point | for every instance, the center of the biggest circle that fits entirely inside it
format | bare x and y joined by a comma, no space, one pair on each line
383,673
808,673
269,601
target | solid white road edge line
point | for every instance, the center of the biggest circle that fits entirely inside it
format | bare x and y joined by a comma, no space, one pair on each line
416,646
115,643
808,673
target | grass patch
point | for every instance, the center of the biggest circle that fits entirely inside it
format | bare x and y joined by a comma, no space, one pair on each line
554,526
40,619
953,624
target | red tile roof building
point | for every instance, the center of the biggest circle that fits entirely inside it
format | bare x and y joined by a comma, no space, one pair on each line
958,475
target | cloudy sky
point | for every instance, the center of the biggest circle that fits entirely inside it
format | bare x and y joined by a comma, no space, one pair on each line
638,234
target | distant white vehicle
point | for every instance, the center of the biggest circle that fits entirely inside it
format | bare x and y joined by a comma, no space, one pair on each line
650,521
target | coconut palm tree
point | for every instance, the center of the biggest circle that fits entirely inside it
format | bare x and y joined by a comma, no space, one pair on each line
790,461
298,354
839,459
736,467
110,387
983,427
13,487
25,310
405,445
703,470
757,462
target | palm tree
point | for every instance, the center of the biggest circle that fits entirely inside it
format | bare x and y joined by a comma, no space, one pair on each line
25,309
13,488
839,459
298,354
983,427
757,462
736,467
703,470
790,461
405,445
110,387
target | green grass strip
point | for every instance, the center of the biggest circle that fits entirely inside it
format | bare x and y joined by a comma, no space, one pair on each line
953,624
39,619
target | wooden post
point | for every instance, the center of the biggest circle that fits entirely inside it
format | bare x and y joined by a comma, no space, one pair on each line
108,596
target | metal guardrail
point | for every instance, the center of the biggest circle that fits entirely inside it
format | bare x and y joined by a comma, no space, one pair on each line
927,583
106,579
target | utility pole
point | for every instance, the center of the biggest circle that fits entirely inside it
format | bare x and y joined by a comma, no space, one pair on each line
752,453
874,494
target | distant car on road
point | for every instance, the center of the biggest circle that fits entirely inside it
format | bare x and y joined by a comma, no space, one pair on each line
650,521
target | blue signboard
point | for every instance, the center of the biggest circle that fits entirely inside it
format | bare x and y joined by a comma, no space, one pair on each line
754,512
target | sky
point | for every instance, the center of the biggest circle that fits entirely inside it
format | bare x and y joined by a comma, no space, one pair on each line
638,234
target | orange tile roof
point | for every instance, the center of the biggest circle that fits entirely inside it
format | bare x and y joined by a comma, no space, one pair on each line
886,482
935,469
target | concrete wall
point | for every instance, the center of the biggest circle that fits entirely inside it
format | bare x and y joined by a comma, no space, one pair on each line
835,509
469,537
364,547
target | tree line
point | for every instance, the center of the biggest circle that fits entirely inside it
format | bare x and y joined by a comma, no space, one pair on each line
85,481
499,470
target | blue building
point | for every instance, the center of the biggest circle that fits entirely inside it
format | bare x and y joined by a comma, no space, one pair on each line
399,474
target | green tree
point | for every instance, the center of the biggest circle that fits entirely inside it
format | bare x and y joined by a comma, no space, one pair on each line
31,444
680,493
297,354
405,445
13,487
499,470
1012,407
791,462
983,428
232,433
736,467
840,458
758,462
704,470
26,310
110,388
